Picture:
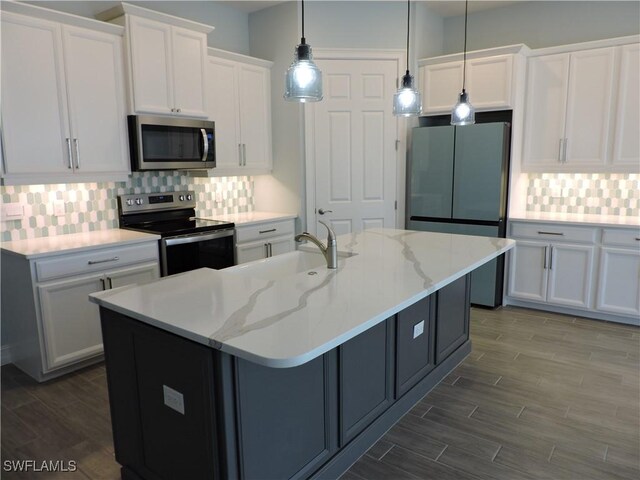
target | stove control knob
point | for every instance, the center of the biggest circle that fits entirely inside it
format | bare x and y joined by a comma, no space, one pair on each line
181,198
139,201
130,202
189,197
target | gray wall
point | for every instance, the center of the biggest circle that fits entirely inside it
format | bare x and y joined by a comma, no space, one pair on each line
231,25
543,24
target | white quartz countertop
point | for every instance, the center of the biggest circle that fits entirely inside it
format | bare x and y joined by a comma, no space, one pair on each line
253,218
578,219
288,321
74,242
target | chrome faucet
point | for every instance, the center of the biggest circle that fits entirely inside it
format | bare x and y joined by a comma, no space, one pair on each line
330,252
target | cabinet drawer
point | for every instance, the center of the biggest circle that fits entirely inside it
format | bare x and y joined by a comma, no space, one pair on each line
96,260
623,237
554,232
264,230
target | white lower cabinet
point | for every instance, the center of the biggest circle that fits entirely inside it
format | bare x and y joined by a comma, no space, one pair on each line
47,316
255,242
588,269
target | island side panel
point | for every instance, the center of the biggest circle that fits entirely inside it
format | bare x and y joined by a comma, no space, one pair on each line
160,433
286,418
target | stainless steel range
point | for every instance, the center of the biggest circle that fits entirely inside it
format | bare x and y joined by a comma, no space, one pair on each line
187,242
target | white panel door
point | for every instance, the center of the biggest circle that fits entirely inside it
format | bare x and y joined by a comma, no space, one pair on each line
95,86
34,105
189,55
222,108
489,81
626,148
71,323
354,145
528,264
619,287
589,106
546,104
570,274
255,115
440,86
151,65
134,275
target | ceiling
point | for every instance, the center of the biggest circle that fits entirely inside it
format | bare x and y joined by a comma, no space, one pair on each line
444,8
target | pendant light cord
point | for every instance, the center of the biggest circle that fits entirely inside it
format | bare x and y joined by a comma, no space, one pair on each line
464,54
408,26
303,39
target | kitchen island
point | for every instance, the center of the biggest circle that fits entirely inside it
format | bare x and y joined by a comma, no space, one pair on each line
282,368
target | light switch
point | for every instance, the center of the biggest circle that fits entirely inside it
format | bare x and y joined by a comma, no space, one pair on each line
173,399
418,329
12,211
58,208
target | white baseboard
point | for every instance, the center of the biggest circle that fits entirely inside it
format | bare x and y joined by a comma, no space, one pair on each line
5,357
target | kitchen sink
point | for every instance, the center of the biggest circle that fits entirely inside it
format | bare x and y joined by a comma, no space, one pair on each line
285,265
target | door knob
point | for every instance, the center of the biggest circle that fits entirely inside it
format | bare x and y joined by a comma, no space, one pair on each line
322,211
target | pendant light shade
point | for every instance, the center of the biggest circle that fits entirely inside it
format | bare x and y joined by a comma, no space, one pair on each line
463,112
303,80
407,101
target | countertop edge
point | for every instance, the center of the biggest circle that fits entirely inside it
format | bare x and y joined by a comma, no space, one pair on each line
578,223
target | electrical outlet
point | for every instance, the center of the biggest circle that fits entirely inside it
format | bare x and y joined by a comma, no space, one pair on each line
418,329
58,208
12,211
173,399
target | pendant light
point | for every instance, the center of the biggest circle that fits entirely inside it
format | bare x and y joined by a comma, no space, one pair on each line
303,80
463,112
407,101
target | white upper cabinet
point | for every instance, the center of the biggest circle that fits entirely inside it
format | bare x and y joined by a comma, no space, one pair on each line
582,111
63,108
490,80
239,102
168,63
626,147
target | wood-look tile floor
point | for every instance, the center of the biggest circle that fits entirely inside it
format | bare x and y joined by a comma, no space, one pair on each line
542,396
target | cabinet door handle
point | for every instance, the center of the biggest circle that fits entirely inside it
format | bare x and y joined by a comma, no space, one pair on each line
110,283
270,249
76,143
560,150
551,258
267,231
104,287
239,154
560,234
564,151
178,110
244,154
173,109
266,250
95,262
69,152
544,259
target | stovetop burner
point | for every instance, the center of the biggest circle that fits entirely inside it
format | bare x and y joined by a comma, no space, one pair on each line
165,214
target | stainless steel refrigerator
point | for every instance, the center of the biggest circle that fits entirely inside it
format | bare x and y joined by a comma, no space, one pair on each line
457,183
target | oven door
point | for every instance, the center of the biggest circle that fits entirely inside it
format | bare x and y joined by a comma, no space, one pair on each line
188,252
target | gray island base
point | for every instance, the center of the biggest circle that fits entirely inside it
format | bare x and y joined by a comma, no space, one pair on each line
282,368
183,410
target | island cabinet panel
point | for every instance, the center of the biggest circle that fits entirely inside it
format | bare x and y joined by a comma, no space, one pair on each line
284,417
452,314
365,379
415,344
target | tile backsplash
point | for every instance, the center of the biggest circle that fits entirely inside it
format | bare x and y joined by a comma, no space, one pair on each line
584,193
93,206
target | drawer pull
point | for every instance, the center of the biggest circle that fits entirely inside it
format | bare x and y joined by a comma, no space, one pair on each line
95,262
551,233
268,231
637,239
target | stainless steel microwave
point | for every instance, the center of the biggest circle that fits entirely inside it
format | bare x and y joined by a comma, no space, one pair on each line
170,143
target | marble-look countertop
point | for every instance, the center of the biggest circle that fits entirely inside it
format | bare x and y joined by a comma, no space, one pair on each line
578,219
291,320
75,242
253,218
